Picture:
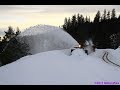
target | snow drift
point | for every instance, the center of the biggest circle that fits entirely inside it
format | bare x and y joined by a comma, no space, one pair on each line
43,38
58,68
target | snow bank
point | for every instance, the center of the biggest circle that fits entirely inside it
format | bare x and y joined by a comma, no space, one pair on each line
113,55
116,53
43,38
100,52
79,52
58,68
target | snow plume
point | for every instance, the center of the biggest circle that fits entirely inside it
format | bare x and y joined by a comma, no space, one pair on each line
89,42
43,38
86,43
89,46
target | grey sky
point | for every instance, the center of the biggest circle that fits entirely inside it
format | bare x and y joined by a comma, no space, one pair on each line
58,8
24,16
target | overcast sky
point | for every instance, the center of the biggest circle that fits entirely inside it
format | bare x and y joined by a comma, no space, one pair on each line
25,16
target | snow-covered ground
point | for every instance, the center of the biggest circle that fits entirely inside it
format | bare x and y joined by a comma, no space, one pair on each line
60,67
43,38
113,55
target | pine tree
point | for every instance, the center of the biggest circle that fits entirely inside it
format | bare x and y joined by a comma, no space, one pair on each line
14,51
12,47
113,14
82,18
99,30
18,31
9,34
108,15
78,19
97,17
65,24
86,19
104,15
74,21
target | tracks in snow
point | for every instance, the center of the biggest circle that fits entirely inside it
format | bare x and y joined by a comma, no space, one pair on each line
105,58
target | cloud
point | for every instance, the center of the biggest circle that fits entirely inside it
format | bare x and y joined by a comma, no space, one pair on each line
26,15
56,8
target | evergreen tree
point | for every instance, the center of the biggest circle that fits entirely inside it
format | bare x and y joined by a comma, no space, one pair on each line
100,29
113,14
108,15
14,51
74,21
69,23
97,17
82,18
11,47
86,19
78,19
65,24
18,31
104,15
10,33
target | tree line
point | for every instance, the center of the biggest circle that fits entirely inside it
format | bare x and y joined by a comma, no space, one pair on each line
11,48
104,30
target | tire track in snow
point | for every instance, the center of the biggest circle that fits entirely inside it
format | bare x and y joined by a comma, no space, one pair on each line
105,58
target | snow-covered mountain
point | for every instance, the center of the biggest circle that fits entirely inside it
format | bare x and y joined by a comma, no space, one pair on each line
43,38
58,67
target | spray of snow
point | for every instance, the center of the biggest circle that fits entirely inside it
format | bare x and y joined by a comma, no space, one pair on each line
43,38
89,46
